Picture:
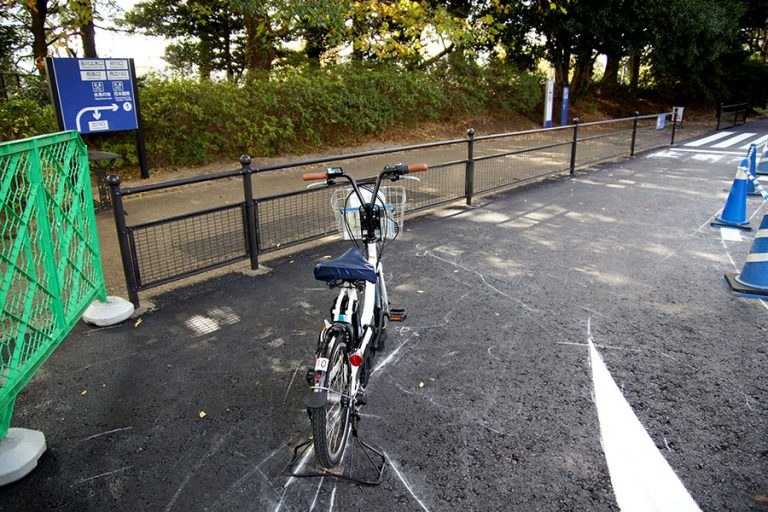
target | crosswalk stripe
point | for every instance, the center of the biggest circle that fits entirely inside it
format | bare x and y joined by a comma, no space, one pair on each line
733,140
707,140
757,142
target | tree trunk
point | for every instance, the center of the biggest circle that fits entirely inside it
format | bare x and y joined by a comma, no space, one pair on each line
38,13
259,44
611,76
582,75
84,12
562,69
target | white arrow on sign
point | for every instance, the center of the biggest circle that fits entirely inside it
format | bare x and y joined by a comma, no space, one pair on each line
96,113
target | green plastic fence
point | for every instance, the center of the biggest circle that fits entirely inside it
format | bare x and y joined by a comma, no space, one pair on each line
50,263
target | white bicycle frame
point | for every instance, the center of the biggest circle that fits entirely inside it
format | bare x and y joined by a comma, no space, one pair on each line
366,316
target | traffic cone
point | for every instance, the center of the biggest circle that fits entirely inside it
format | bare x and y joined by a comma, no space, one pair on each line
735,212
762,167
752,157
753,280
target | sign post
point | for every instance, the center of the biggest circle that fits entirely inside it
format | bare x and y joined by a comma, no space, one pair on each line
564,107
549,99
97,95
677,115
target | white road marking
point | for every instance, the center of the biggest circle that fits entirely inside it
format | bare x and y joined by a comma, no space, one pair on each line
405,482
757,142
641,477
707,157
707,140
711,152
733,140
730,234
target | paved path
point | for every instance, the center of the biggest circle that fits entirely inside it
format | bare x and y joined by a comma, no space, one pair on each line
488,398
177,201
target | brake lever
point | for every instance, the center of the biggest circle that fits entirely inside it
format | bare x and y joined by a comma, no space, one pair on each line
414,178
313,185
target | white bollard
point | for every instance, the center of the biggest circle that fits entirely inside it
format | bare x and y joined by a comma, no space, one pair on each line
112,312
19,452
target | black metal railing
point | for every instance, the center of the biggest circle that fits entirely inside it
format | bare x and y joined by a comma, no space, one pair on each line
731,115
178,246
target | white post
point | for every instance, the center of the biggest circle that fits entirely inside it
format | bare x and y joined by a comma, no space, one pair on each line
19,452
549,100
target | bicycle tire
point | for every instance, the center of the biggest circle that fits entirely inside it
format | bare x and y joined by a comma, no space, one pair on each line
331,422
379,322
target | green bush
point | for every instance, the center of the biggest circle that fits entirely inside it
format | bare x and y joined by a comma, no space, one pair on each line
21,118
293,109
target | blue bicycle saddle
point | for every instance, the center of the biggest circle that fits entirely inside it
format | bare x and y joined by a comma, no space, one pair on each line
350,266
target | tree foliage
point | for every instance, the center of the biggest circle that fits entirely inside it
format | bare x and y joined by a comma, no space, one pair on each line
694,49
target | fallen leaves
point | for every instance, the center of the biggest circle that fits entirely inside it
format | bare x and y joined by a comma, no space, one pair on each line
202,414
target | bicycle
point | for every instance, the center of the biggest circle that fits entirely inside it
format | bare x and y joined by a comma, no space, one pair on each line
347,345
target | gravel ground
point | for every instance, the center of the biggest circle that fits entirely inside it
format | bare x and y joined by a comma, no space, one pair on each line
483,399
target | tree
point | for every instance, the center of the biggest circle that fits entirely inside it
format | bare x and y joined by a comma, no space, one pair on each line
81,15
207,32
691,46
753,29
42,25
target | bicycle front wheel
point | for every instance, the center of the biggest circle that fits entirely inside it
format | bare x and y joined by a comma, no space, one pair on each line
330,423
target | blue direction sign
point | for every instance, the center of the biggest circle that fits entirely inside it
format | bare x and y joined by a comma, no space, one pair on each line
94,95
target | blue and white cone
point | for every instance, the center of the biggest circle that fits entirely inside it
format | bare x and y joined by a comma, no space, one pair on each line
753,280
735,212
762,166
752,157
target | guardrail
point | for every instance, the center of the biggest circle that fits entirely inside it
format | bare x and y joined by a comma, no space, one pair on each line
168,249
735,114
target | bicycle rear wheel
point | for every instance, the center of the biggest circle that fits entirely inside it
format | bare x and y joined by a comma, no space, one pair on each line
380,313
330,423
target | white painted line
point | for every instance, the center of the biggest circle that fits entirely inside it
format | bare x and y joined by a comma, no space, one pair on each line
707,140
730,234
707,157
757,142
405,482
642,478
733,140
725,249
708,151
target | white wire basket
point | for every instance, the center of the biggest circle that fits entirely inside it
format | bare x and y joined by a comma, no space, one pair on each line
346,209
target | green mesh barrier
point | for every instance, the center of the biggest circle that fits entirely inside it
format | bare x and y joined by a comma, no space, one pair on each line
49,256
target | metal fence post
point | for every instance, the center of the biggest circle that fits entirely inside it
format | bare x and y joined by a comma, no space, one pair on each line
469,178
122,238
573,144
250,212
719,113
674,126
634,134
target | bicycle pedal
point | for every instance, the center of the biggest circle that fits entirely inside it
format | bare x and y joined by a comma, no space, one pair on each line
397,314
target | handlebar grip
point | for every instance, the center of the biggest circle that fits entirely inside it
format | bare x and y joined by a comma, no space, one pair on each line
418,167
312,176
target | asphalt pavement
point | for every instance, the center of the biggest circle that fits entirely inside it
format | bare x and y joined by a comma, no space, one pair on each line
486,398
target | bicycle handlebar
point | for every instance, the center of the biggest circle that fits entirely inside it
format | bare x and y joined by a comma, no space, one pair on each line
310,176
399,169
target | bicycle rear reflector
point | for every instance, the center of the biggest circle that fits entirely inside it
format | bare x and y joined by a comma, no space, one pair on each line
356,359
